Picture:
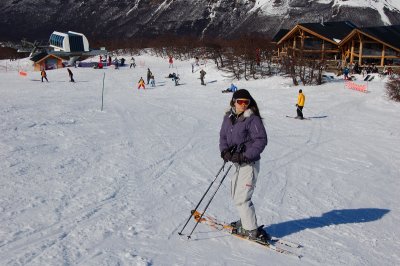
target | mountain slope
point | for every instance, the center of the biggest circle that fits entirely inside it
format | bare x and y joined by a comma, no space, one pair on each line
213,18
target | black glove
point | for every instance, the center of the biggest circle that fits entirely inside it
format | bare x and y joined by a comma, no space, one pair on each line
226,155
238,158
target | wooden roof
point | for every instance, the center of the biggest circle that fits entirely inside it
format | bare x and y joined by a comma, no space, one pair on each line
279,35
333,32
388,35
42,56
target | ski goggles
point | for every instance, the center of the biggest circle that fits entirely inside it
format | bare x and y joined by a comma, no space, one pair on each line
242,101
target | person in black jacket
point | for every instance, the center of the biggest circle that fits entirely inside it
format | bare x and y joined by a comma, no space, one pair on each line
71,75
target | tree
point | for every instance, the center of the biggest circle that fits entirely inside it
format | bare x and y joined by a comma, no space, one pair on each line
393,87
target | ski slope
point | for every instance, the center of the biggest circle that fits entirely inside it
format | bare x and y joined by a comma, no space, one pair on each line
81,186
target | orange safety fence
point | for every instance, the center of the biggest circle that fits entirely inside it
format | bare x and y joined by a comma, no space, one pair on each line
355,86
23,73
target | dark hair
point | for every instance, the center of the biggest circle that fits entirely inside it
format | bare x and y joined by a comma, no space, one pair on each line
300,90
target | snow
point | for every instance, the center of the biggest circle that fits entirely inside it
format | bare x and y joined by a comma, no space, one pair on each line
270,7
80,186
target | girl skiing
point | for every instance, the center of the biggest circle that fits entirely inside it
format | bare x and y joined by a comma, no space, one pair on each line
242,139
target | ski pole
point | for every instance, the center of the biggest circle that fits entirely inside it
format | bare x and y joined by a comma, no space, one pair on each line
208,204
198,204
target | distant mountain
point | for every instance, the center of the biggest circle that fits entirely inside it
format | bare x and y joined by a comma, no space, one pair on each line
36,19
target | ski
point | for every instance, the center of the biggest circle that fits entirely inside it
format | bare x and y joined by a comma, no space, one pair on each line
220,226
305,118
227,227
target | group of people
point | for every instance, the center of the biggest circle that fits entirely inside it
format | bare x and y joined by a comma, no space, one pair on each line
150,80
355,68
242,139
43,75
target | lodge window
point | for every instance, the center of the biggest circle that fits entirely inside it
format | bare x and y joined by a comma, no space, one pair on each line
372,49
312,44
390,51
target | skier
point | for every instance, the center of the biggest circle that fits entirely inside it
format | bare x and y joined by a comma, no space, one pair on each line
243,128
141,83
346,72
149,74
152,81
202,74
171,62
133,64
44,75
109,60
116,62
175,78
71,76
300,104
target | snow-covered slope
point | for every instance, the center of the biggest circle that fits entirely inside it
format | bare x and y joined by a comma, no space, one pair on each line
80,186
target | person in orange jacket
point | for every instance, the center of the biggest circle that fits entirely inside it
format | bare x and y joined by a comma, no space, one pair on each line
141,83
44,75
300,104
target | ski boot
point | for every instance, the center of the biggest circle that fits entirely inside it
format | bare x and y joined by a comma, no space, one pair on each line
259,234
236,227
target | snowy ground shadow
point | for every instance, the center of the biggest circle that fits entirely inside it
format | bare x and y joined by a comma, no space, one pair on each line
334,217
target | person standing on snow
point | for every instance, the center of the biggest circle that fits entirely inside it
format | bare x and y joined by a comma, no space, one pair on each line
43,74
202,74
171,62
133,64
141,83
149,74
152,81
242,139
300,104
71,76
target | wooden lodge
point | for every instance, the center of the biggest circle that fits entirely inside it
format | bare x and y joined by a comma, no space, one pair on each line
46,61
341,41
372,45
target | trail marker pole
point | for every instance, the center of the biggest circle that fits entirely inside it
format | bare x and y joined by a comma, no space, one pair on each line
102,93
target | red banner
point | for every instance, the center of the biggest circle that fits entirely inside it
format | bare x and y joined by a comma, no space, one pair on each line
357,87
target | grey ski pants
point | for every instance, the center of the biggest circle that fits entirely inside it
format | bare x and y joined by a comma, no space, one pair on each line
243,182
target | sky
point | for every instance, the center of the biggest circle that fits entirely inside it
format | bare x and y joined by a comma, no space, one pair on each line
81,186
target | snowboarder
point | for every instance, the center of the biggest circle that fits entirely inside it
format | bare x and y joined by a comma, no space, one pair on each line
202,74
44,75
141,83
149,74
71,76
133,64
300,104
242,139
171,62
232,88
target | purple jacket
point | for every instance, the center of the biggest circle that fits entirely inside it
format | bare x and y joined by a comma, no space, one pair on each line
247,129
